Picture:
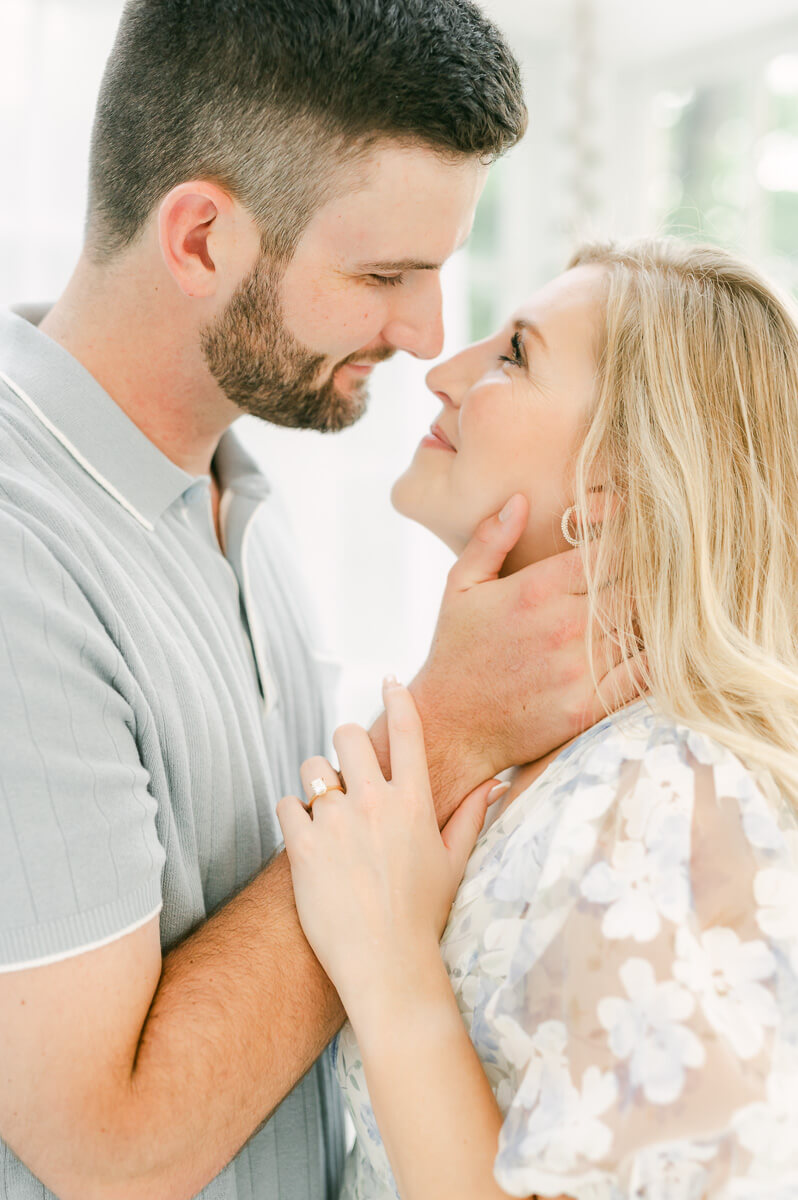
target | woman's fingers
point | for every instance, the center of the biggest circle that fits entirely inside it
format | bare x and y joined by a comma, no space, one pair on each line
464,826
356,756
294,819
405,738
318,768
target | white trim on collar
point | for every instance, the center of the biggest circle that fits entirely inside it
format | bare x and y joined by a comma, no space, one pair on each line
73,450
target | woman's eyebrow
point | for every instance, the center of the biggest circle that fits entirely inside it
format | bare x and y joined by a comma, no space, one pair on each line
523,326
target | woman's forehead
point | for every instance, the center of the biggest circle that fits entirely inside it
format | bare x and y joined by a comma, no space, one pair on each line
571,299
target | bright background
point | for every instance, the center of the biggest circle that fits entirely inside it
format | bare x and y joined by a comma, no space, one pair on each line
644,116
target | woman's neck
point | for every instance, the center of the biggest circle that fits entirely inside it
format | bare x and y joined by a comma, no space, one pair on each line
525,775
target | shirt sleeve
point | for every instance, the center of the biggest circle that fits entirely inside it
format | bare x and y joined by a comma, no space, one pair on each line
649,1009
80,859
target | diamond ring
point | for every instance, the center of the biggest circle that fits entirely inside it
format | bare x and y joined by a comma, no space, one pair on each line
318,787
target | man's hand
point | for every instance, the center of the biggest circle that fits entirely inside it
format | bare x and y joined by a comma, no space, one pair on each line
507,679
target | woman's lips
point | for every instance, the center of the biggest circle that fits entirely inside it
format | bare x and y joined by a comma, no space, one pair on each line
438,439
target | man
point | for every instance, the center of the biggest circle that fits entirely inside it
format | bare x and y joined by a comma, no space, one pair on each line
274,187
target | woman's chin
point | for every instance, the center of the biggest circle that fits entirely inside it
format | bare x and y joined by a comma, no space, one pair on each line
409,502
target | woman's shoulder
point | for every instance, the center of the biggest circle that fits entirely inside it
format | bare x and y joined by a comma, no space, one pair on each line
643,758
655,741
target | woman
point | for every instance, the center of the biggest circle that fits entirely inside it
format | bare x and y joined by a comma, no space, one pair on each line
613,1008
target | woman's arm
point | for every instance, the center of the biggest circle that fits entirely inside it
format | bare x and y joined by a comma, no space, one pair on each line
434,1107
374,880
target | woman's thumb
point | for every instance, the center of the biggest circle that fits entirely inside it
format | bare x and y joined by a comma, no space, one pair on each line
465,824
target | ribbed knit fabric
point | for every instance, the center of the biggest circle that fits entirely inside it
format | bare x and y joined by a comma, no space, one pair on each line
157,697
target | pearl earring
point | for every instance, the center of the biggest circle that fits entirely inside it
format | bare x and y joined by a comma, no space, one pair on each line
566,519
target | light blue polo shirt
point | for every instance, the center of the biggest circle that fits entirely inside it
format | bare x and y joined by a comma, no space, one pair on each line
157,697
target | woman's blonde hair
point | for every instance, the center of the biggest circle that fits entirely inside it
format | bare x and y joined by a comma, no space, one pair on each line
695,428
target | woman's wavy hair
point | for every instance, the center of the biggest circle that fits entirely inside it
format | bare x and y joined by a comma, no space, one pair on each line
694,428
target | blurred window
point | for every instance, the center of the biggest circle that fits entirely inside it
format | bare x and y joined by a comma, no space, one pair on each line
725,164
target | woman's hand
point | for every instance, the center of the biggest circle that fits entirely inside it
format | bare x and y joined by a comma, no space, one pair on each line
374,878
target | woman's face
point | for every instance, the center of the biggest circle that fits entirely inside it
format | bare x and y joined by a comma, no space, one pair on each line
514,415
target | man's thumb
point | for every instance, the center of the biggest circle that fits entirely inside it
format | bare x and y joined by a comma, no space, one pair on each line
493,540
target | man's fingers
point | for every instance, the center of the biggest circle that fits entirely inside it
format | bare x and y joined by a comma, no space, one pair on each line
493,540
606,654
405,737
558,575
620,686
602,506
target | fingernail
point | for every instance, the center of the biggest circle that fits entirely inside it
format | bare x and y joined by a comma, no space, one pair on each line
498,790
507,511
390,681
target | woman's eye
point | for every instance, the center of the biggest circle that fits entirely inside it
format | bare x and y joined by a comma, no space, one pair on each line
518,359
387,280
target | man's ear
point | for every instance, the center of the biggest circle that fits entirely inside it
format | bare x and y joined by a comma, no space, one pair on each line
207,240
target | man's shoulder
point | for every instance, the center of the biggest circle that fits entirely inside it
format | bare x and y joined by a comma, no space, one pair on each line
39,480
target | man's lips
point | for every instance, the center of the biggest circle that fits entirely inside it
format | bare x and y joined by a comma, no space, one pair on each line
437,438
358,368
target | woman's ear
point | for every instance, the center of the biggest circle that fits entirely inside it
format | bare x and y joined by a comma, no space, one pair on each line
206,238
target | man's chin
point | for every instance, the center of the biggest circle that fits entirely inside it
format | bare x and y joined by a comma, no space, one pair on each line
345,409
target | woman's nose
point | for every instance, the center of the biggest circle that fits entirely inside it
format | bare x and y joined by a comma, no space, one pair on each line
447,400
442,382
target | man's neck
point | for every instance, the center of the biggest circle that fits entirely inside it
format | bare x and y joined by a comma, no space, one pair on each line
131,328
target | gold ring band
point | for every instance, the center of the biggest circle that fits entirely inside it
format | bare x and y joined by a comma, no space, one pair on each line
318,787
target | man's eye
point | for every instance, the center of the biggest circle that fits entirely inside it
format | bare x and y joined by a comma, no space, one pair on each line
518,359
387,280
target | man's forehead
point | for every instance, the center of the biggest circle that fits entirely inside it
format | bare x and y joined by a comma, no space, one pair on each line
416,224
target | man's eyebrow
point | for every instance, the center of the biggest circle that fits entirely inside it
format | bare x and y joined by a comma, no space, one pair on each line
522,326
403,264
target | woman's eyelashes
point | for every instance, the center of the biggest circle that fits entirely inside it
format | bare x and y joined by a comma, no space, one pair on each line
519,358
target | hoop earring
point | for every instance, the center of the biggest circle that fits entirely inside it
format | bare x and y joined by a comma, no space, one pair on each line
566,519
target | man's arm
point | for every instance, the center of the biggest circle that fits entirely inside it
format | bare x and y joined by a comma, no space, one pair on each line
111,1092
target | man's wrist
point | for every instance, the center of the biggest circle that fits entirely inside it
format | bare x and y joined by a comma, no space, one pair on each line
457,761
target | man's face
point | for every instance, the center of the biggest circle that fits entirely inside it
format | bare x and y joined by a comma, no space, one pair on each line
297,347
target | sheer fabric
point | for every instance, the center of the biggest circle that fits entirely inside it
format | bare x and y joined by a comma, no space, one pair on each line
624,952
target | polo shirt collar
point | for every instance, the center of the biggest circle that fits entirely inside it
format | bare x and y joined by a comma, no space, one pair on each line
92,427
235,469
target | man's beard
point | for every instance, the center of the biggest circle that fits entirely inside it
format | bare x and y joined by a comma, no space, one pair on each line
261,367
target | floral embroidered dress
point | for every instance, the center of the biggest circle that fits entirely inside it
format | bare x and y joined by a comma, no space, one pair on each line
624,952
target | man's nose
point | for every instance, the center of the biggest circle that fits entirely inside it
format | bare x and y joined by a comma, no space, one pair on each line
416,321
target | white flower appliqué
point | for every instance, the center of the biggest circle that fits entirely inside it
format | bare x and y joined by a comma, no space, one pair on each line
677,1169
647,877
767,1128
639,888
776,893
647,1031
726,975
554,1123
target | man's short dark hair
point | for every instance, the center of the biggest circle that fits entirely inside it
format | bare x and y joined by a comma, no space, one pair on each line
270,98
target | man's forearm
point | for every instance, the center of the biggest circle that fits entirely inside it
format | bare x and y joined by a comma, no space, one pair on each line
241,1012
